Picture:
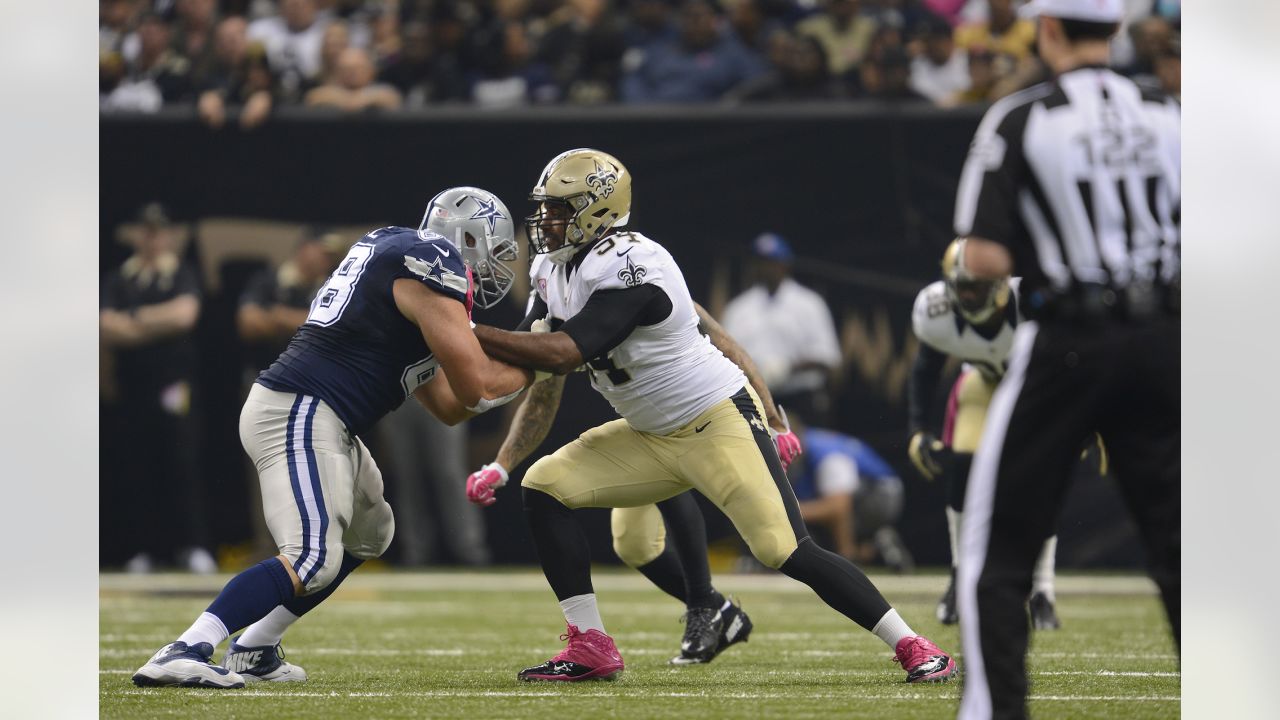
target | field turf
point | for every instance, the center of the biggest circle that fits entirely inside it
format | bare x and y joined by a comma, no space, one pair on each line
446,645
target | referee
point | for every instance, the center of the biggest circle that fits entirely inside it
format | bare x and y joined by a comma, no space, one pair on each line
1073,184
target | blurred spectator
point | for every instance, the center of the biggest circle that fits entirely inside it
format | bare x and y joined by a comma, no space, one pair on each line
1169,70
292,41
431,66
354,89
336,39
114,20
887,77
148,310
752,25
508,75
940,71
843,31
196,22
239,75
702,65
649,24
787,329
273,305
848,491
157,74
1003,32
804,76
583,49
982,80
1152,37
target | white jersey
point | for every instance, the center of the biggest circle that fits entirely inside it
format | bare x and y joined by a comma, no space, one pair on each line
662,376
939,326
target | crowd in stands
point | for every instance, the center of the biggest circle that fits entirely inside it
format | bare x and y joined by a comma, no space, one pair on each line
358,55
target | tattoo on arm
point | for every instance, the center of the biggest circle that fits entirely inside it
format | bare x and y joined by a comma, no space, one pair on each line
732,350
532,422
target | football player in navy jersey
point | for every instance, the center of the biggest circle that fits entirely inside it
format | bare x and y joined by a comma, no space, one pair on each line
393,320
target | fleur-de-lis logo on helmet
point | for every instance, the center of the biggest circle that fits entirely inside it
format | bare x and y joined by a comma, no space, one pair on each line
602,180
632,274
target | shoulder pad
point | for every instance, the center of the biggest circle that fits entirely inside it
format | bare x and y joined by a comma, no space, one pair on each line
623,260
438,264
931,313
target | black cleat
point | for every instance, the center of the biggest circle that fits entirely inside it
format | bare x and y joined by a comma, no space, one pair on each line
734,627
947,605
702,627
1043,615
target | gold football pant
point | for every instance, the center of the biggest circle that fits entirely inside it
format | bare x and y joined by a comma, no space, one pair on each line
616,466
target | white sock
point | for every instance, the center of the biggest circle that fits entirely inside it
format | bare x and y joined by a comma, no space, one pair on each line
581,612
1042,576
207,628
953,531
269,630
892,628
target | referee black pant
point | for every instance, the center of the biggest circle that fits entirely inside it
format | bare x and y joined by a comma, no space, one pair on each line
1064,383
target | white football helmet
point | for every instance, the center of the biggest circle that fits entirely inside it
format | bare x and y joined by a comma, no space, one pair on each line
480,226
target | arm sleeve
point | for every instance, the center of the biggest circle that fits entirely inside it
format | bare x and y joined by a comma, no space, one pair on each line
535,309
921,386
437,267
610,315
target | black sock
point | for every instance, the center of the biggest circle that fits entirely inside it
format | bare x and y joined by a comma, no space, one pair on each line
562,546
302,605
687,536
958,479
838,582
666,572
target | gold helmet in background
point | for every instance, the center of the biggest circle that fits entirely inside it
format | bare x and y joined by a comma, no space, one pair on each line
975,299
581,194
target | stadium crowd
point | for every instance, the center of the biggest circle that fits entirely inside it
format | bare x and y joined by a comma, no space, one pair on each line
251,56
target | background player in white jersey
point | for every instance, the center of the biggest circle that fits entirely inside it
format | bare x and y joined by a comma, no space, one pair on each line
667,541
688,419
973,321
393,320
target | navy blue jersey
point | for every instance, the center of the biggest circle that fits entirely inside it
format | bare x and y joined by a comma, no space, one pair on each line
819,445
356,351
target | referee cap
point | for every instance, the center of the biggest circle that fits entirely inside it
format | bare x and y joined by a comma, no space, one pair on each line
1099,11
772,246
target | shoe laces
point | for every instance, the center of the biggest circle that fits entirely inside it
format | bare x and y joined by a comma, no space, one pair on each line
698,620
914,651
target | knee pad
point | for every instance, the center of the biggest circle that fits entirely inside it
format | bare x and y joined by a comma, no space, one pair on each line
544,476
634,538
772,547
325,573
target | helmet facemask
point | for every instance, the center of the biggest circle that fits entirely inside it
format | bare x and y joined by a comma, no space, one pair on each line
479,225
581,195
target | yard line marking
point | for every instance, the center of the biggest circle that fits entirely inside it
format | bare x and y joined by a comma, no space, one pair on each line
641,692
1108,673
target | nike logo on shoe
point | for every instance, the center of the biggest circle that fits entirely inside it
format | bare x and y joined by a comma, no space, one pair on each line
704,427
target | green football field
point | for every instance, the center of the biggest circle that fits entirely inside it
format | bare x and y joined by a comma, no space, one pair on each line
443,645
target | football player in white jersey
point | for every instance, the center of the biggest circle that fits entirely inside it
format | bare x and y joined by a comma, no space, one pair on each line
973,321
689,419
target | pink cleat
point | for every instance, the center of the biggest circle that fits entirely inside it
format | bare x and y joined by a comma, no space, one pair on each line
589,655
923,661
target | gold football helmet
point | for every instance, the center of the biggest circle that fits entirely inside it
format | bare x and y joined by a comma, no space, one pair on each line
581,194
976,300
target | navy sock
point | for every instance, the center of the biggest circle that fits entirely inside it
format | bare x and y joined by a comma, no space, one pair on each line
302,605
249,596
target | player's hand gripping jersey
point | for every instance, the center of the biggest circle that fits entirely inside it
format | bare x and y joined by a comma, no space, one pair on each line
657,376
356,351
938,325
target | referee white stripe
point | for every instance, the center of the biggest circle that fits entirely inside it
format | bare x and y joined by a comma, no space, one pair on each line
975,531
311,543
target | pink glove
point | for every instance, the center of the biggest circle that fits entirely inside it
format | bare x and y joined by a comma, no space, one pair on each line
788,447
482,483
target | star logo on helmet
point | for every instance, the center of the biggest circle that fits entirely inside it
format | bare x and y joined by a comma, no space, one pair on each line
602,180
488,212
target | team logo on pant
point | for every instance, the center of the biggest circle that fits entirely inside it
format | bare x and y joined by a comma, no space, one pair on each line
632,274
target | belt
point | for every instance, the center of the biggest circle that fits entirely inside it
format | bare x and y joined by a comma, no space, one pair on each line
1094,303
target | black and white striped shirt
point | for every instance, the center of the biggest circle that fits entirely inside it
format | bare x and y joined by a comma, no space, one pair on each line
1081,179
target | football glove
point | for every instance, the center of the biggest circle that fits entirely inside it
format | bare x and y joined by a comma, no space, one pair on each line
787,442
924,451
482,483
